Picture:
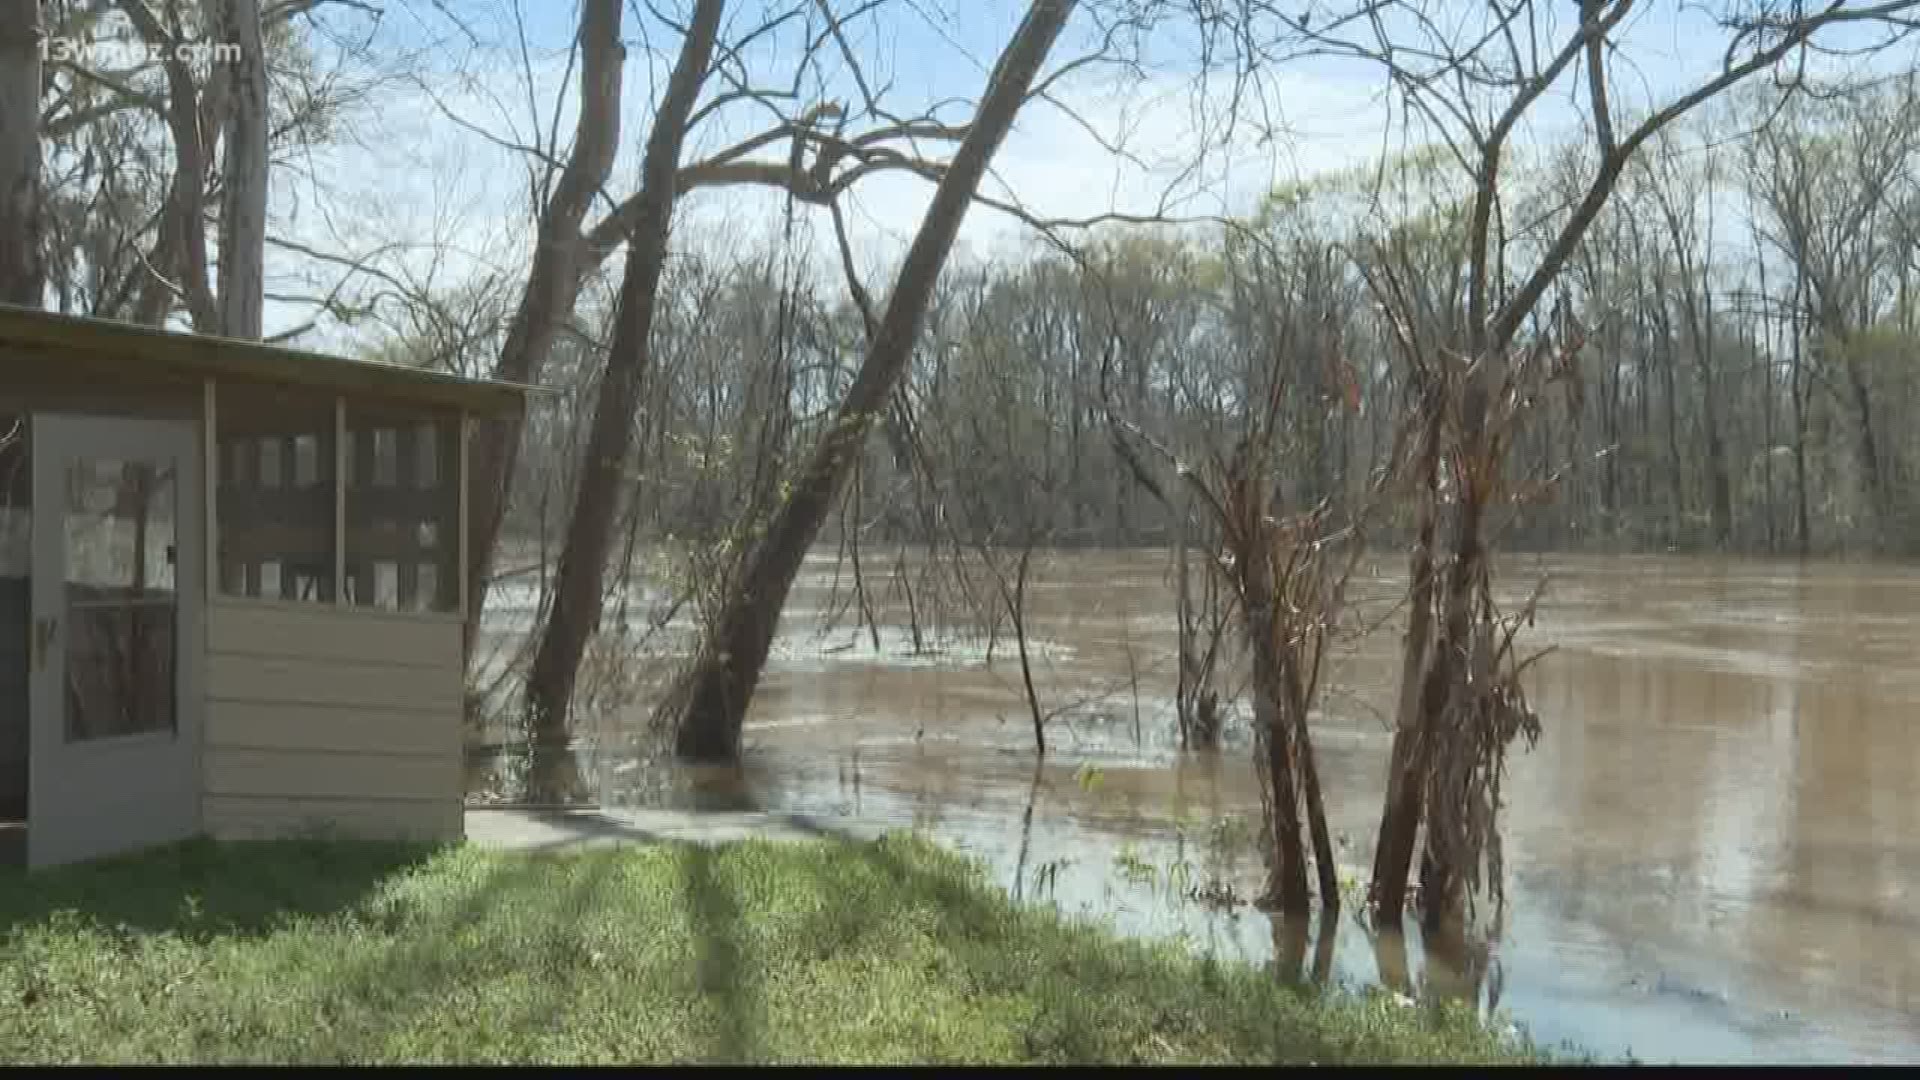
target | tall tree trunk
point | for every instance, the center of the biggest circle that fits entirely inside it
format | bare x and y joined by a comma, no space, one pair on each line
1610,468
1868,449
22,254
1720,490
1757,347
1796,395
1444,865
186,252
553,286
1400,818
709,706
1277,731
1186,688
1677,517
1699,311
1802,518
579,581
1317,831
243,214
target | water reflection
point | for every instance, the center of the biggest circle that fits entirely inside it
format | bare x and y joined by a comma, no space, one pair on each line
1709,855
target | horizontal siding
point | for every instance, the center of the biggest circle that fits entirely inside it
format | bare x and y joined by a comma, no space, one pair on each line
329,728
231,817
304,774
335,718
341,684
320,632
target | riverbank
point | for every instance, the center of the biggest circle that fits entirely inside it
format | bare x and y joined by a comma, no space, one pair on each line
893,950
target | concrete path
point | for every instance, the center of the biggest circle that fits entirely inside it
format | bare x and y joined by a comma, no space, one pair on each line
540,830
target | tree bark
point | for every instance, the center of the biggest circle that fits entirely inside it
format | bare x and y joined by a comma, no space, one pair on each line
1802,518
186,252
553,286
22,252
1317,831
243,215
1277,731
1868,449
1448,676
1186,688
1400,818
579,581
709,706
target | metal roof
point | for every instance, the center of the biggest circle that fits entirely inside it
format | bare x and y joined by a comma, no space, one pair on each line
51,339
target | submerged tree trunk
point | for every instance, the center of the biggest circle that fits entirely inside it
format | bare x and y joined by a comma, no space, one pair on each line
22,254
1444,857
579,580
710,703
243,213
553,285
1328,874
1283,633
1275,731
1400,818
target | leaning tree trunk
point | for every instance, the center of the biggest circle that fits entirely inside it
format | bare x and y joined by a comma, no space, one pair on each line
579,580
553,285
243,215
710,703
1400,819
1327,874
22,257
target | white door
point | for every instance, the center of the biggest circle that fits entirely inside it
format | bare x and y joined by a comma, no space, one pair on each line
115,643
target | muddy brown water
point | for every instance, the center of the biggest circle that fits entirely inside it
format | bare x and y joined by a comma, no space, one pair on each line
1711,855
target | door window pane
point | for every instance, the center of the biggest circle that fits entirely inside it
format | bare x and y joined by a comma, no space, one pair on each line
121,600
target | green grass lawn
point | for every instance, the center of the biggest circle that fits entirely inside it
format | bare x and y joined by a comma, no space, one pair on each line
894,951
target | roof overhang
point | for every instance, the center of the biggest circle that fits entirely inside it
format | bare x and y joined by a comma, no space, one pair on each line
45,338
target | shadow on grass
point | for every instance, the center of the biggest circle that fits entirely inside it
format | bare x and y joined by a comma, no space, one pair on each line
200,888
627,954
436,953
562,830
724,975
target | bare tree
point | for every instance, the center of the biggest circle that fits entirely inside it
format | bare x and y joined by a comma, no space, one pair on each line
243,214
708,707
1827,199
577,590
1450,738
817,162
553,280
22,267
193,114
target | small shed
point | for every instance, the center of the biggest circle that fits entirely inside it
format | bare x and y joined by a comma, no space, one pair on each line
232,582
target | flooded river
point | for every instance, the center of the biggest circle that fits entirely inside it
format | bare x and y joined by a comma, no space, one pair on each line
1711,856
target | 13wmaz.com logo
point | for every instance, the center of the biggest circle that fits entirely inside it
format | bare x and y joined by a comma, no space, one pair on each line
130,52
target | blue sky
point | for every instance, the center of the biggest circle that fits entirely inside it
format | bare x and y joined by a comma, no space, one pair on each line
447,201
